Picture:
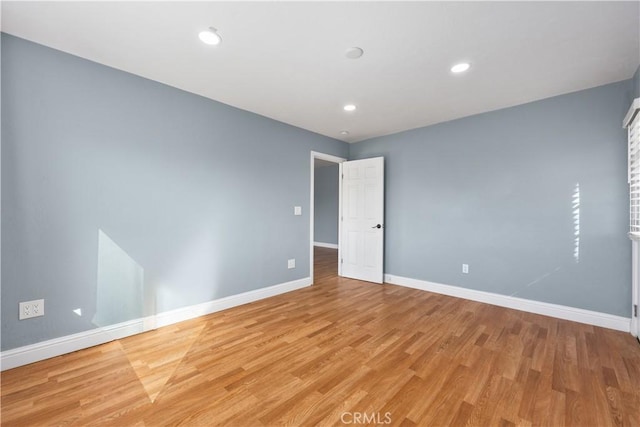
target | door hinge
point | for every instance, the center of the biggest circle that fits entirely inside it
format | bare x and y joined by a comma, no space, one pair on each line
635,310
341,260
342,176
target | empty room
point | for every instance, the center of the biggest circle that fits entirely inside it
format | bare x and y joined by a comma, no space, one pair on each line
320,213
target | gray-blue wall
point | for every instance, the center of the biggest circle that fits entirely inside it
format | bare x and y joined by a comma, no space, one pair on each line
636,83
192,195
326,205
195,198
496,191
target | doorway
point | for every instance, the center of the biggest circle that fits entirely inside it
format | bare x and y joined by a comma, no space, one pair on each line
324,220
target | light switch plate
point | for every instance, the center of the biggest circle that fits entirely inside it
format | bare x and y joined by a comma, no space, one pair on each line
291,263
297,210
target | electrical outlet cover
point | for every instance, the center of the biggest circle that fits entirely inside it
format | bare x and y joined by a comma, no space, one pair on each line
29,309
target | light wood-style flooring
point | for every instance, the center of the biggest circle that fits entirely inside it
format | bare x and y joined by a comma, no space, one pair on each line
338,352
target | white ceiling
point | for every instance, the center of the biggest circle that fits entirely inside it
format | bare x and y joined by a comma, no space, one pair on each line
286,60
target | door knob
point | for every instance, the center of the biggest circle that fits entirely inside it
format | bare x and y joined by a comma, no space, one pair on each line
377,226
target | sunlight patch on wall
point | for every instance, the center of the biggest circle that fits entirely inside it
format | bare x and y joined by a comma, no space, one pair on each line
576,222
194,272
120,289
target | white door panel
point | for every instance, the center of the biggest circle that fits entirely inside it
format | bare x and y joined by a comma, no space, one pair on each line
363,210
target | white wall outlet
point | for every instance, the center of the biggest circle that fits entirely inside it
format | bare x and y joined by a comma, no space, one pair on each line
297,210
291,263
465,268
30,309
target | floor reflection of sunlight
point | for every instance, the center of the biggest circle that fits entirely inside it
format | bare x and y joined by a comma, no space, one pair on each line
156,357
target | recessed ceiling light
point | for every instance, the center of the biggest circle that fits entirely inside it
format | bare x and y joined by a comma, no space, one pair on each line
354,52
210,36
344,132
349,107
461,67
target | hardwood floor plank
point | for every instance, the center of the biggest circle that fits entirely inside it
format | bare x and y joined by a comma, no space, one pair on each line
340,348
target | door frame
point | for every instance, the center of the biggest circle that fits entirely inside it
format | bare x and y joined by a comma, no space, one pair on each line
333,159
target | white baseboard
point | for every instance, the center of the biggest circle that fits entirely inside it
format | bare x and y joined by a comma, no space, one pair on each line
326,245
55,347
186,313
547,309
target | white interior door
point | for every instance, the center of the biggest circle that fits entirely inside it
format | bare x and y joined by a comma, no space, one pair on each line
362,219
